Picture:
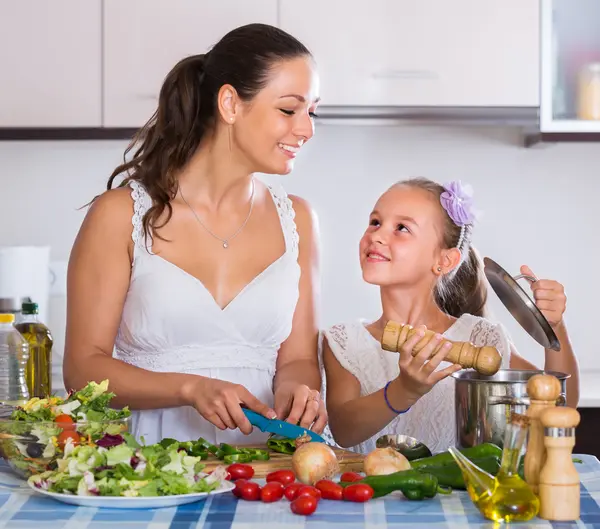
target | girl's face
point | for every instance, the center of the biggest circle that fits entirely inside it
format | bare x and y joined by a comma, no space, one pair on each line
401,246
279,120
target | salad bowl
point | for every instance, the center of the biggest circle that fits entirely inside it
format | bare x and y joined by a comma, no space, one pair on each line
36,434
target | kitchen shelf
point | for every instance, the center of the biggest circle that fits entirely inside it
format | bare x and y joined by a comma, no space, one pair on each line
570,43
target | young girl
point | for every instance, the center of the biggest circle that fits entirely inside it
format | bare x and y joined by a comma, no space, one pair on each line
417,249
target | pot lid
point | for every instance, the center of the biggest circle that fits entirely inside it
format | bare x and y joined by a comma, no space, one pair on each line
520,304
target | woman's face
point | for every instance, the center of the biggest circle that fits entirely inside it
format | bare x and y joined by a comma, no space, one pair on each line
401,245
279,120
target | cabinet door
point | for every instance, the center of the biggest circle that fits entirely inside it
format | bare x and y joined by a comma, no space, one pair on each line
421,53
144,39
50,63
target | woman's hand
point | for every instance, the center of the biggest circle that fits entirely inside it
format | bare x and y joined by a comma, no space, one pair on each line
549,297
298,402
220,403
418,373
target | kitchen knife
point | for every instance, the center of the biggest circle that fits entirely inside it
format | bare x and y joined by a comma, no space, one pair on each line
282,428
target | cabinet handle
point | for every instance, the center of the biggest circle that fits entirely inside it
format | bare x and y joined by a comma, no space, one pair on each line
406,74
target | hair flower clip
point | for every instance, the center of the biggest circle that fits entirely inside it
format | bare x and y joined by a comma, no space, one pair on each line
457,200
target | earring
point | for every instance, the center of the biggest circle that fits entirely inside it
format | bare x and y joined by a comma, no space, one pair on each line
439,268
229,137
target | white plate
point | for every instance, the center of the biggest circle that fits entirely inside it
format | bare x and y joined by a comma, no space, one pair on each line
146,502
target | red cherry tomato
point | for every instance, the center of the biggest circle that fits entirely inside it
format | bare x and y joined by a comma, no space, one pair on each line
66,434
307,490
304,505
271,492
282,476
350,477
248,490
359,492
330,490
291,491
65,422
237,490
240,471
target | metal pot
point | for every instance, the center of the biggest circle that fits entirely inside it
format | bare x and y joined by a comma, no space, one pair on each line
484,403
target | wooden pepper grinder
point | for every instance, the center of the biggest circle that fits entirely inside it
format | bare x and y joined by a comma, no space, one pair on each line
543,390
559,480
485,360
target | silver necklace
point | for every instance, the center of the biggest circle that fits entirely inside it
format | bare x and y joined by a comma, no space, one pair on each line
224,241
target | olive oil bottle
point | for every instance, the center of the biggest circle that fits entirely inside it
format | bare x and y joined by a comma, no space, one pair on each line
39,365
505,497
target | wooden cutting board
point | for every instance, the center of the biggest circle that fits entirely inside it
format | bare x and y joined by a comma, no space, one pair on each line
348,461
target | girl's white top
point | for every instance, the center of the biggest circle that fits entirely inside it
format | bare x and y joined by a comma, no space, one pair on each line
432,419
171,323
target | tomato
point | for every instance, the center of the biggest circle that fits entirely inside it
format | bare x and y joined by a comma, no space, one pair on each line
240,471
349,477
330,490
358,492
271,492
237,490
307,490
65,422
304,505
283,476
63,436
247,490
291,491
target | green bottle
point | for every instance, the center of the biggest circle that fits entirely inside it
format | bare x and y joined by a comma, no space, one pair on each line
39,365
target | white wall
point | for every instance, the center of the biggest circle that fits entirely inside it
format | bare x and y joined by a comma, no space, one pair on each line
541,207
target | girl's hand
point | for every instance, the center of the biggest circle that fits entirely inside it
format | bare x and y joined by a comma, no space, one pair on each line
418,373
220,403
549,297
298,402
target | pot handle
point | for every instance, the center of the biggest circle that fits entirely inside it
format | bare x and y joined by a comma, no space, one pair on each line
522,401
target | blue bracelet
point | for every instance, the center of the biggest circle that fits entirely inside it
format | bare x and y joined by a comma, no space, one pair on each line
397,412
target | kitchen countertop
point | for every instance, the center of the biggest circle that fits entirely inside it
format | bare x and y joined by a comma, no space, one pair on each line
22,508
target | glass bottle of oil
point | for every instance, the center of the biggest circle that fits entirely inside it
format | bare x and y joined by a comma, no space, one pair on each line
505,497
39,366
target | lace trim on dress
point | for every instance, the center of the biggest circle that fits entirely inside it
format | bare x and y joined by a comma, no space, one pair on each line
287,214
141,203
486,333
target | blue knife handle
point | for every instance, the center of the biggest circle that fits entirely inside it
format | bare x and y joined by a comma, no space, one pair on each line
279,427
256,419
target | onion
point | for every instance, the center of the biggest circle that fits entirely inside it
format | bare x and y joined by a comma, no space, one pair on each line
314,461
382,461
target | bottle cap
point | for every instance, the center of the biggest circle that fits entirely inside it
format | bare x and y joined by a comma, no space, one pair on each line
29,307
7,318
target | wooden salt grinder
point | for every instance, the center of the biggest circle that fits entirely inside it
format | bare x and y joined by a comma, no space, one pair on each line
543,390
559,481
485,360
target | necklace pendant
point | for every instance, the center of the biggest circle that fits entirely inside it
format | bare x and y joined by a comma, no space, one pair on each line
225,245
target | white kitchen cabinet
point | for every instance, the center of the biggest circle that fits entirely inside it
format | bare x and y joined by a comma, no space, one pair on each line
50,63
570,75
421,53
144,39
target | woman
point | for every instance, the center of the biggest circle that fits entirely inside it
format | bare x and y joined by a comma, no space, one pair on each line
209,301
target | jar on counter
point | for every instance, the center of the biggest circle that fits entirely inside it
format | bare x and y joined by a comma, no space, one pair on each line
588,98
